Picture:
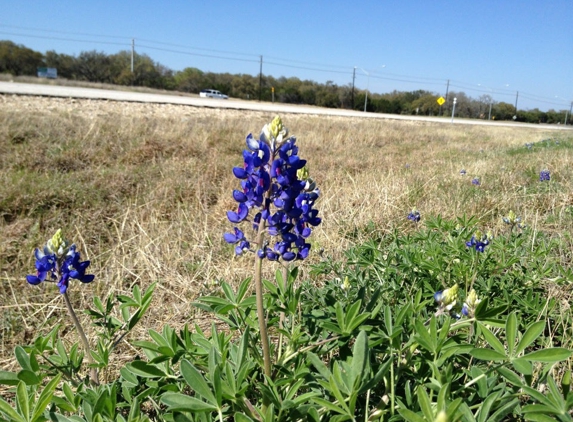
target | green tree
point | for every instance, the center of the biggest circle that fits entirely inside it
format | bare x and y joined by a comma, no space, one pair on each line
94,66
64,63
19,60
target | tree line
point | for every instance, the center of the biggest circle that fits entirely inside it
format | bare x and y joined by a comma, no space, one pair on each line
94,66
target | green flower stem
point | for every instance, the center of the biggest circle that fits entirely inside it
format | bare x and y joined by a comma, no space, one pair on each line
84,340
261,307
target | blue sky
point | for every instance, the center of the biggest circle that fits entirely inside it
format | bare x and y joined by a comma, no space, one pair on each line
482,47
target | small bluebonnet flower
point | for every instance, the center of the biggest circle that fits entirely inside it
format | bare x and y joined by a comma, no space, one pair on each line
529,145
513,220
58,262
277,189
475,181
470,305
414,216
463,172
446,299
544,176
479,241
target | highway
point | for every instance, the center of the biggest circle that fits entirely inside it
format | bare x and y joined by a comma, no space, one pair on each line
16,88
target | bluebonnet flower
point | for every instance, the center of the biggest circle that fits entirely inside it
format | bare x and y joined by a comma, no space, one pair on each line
414,216
544,175
475,181
279,194
463,172
446,299
479,241
529,145
470,305
58,262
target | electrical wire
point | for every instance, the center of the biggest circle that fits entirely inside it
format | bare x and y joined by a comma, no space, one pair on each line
274,61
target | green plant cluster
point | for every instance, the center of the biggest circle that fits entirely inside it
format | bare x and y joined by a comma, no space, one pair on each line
360,339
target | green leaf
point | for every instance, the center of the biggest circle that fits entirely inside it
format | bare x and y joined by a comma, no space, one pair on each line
8,378
531,334
182,403
511,332
487,404
22,401
329,405
319,365
360,357
45,399
424,338
424,402
10,412
23,358
240,417
538,417
145,370
56,417
29,377
511,376
411,416
487,354
522,366
492,339
197,382
551,355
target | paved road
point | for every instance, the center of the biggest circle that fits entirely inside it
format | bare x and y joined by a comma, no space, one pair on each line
105,94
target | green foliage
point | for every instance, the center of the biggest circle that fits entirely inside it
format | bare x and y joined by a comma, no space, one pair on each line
19,60
368,344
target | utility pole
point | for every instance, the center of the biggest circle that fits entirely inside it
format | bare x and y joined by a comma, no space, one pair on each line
570,109
516,97
447,91
132,52
261,79
352,97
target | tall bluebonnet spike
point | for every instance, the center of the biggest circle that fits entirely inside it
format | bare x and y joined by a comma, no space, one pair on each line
276,183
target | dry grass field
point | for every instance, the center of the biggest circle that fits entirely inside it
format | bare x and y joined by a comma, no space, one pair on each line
143,191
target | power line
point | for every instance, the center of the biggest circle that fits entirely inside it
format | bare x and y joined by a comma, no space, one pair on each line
62,32
195,54
65,39
281,62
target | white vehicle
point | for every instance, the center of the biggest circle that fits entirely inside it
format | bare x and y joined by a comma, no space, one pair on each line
212,93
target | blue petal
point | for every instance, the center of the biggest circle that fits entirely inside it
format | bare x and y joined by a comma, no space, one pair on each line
32,279
230,238
239,196
240,173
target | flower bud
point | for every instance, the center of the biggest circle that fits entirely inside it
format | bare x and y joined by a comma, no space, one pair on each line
57,245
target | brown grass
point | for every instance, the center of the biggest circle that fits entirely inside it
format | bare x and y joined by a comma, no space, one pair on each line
143,190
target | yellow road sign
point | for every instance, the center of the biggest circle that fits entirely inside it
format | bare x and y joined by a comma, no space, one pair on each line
441,101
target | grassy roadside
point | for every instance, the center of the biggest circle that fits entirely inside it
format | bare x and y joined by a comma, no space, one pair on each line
144,190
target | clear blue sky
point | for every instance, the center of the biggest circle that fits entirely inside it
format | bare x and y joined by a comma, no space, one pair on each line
483,47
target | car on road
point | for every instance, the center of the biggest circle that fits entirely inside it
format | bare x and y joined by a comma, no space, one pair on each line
212,93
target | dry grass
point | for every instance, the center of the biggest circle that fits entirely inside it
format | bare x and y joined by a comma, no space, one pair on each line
143,190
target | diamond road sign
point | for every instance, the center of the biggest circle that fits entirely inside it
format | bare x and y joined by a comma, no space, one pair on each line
441,101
